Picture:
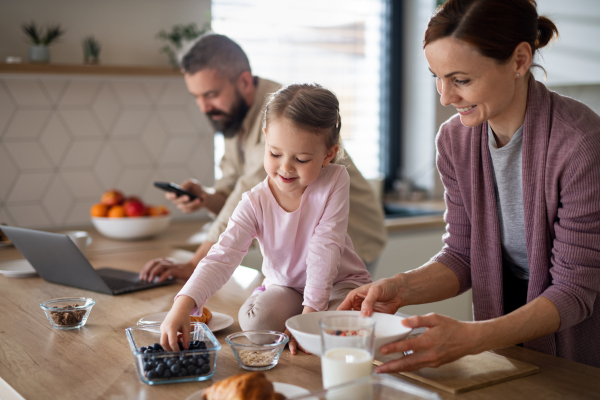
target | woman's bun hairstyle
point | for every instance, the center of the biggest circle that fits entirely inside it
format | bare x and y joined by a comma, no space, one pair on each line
547,32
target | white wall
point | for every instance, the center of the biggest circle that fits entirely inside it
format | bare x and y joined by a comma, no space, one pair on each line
64,140
574,59
126,29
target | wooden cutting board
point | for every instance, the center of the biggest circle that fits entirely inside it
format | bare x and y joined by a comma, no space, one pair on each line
472,372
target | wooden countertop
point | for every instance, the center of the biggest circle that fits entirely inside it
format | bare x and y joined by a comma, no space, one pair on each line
80,69
95,362
406,224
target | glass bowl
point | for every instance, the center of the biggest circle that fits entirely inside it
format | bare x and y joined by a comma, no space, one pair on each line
192,365
257,350
68,313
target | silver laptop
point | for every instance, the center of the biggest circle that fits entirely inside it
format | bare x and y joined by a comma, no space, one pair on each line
58,260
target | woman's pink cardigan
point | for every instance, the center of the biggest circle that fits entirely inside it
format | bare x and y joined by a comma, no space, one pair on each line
561,196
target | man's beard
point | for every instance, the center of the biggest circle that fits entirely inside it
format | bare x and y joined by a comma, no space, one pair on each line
231,122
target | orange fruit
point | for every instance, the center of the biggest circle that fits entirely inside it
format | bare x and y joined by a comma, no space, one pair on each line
157,210
99,210
116,212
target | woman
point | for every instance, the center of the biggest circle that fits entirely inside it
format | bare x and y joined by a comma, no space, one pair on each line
521,170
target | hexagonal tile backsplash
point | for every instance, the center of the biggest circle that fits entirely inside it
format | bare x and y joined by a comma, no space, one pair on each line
64,140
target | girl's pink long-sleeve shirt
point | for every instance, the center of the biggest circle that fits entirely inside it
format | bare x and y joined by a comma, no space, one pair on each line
308,249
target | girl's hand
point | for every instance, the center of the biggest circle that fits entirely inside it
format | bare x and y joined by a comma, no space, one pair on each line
294,346
177,320
445,340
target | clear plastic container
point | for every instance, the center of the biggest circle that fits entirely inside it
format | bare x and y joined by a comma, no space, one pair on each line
183,366
68,313
374,387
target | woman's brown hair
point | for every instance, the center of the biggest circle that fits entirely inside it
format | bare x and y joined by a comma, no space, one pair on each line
310,107
494,27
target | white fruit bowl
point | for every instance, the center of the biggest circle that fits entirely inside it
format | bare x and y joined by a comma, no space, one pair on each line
131,228
305,329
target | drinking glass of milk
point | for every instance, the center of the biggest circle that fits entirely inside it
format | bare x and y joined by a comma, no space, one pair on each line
348,344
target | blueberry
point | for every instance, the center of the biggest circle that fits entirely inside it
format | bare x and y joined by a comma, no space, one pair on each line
198,371
338,333
160,369
180,346
147,366
157,347
201,345
167,374
151,375
170,362
175,369
141,349
200,362
206,356
205,369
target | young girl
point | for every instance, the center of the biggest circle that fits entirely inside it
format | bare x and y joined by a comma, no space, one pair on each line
299,214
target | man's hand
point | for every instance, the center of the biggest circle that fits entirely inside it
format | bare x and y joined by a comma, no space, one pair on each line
183,202
163,268
384,295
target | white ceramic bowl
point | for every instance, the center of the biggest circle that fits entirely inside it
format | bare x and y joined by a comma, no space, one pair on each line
131,228
305,328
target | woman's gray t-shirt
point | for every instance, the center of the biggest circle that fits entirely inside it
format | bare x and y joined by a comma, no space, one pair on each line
508,183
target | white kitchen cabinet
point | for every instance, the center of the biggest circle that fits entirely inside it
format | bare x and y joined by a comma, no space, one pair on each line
408,250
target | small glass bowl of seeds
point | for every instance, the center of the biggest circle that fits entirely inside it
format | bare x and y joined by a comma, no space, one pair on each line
68,313
257,350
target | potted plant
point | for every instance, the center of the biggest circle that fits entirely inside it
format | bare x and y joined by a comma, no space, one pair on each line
40,40
178,37
91,51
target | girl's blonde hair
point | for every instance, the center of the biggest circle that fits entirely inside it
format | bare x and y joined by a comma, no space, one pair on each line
310,107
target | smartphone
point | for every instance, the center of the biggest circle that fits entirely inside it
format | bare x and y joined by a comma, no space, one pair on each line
175,188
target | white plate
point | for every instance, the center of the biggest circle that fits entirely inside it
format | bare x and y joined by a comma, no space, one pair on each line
219,321
284,388
17,269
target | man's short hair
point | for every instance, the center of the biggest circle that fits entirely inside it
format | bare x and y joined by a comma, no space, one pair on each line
218,52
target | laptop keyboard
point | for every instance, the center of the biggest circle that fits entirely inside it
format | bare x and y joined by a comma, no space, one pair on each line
117,284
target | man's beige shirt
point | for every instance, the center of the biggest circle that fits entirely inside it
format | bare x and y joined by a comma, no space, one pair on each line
243,169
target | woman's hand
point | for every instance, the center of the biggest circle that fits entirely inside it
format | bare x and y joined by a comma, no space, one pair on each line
177,320
162,268
294,346
384,295
183,202
445,340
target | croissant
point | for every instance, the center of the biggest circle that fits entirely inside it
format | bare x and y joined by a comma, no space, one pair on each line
251,386
205,317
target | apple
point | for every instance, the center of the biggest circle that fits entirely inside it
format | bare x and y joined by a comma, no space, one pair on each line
112,198
134,208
